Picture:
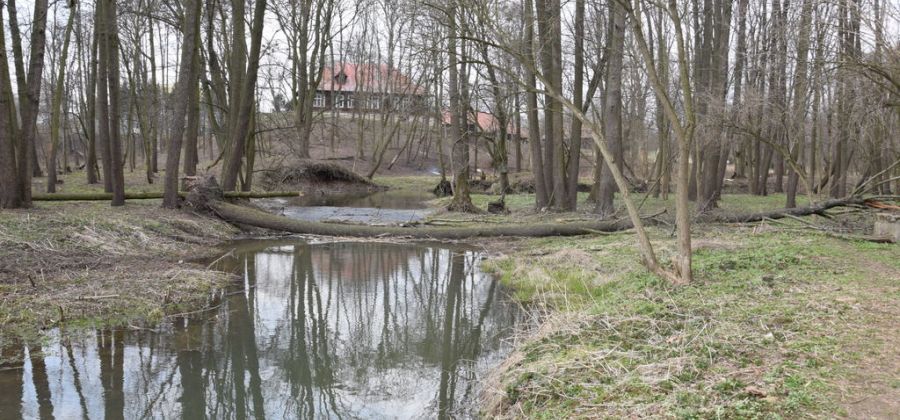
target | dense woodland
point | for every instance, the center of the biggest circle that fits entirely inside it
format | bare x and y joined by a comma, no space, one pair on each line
679,98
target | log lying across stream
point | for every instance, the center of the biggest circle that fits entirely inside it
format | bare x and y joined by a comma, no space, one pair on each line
208,196
252,217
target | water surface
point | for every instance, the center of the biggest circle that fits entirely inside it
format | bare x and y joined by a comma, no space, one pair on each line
328,330
384,207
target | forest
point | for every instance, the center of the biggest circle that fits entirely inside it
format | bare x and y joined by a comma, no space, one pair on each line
684,208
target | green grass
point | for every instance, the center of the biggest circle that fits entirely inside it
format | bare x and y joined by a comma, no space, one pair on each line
773,323
412,183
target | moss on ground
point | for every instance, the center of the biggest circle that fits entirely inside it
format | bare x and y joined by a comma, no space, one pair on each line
88,264
776,325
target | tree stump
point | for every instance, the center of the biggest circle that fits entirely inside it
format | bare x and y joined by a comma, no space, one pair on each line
887,225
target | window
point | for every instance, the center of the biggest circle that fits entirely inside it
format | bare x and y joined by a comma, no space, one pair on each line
340,78
344,101
405,103
319,100
374,102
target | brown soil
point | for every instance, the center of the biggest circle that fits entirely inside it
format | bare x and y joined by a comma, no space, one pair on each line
317,178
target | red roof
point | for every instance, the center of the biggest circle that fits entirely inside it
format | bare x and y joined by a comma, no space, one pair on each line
487,122
368,78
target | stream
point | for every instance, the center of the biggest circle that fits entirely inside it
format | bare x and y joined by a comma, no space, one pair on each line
314,330
382,208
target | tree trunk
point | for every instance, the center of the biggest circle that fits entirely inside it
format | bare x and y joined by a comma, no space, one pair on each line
798,113
101,98
715,91
459,136
542,197
186,88
22,88
115,141
56,104
191,151
573,165
9,175
91,166
612,109
252,217
32,101
241,128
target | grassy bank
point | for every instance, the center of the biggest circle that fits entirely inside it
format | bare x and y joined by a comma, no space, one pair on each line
88,264
786,319
778,324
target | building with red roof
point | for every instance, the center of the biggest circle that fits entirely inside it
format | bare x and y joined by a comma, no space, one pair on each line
369,88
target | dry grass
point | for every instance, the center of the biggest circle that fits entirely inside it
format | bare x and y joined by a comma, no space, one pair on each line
88,263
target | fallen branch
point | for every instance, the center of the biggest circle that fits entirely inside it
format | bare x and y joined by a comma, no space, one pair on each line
97,297
818,209
153,195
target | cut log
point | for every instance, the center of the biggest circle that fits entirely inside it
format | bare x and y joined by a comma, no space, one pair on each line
151,195
257,218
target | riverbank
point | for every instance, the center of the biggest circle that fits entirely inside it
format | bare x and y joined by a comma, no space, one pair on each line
790,318
785,318
779,322
88,264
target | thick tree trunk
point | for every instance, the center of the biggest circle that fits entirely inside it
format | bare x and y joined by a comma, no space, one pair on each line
818,209
241,129
191,150
56,102
574,162
612,109
31,102
798,114
542,198
101,97
187,88
715,91
459,132
115,141
91,166
9,175
252,217
22,89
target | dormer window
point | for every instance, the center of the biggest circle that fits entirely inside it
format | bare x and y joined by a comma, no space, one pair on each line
340,78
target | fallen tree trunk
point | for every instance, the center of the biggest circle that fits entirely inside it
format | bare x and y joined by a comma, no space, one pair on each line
252,217
257,218
207,196
151,195
818,209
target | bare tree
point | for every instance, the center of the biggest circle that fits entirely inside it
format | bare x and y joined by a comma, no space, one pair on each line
187,88
57,101
244,96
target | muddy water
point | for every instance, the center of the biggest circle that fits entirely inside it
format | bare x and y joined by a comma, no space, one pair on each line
328,330
385,207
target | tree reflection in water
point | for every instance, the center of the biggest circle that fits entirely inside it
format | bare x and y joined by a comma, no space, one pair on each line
338,330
